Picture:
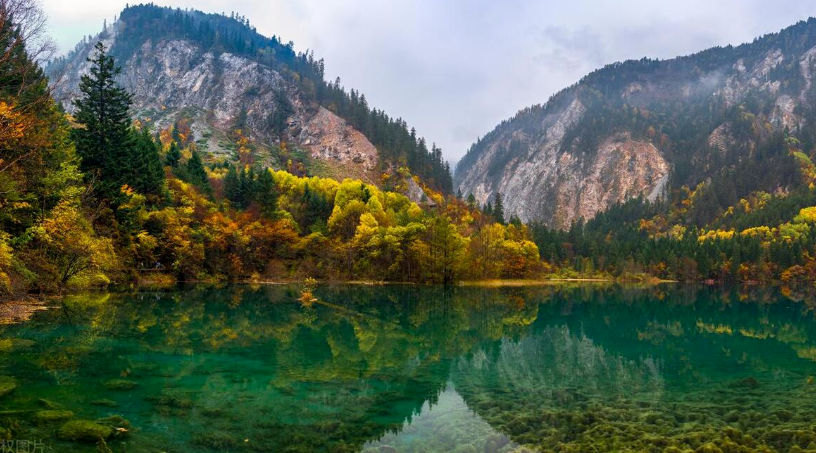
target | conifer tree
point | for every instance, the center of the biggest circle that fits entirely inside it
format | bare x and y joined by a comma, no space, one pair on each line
147,174
173,155
232,185
196,174
267,194
104,142
176,135
498,208
471,201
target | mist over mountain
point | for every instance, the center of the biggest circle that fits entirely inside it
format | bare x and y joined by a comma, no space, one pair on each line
647,128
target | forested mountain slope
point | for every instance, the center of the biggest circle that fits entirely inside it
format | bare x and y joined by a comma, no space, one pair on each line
726,123
214,82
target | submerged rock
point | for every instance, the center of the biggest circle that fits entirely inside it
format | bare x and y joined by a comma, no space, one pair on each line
216,441
7,385
120,384
84,431
48,404
747,383
120,426
52,415
171,401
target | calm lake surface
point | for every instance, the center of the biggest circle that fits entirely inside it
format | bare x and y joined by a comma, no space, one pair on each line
418,369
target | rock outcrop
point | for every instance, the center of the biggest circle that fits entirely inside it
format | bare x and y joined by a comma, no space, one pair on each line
217,92
630,128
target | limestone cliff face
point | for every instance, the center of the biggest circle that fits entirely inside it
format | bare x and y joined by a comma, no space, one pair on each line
540,181
631,128
219,92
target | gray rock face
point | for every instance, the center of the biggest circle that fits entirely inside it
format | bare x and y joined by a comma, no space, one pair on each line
542,182
217,92
546,171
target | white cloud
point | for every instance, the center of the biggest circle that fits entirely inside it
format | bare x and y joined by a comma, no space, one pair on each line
456,68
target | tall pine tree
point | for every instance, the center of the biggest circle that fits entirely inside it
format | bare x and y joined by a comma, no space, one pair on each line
196,174
146,171
173,155
104,142
498,208
113,154
267,194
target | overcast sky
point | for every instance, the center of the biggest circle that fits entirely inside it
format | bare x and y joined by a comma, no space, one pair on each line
453,68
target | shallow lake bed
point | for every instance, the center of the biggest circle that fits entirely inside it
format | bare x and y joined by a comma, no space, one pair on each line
406,368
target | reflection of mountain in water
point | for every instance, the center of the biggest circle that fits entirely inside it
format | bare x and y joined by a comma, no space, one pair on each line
611,371
552,366
449,425
580,368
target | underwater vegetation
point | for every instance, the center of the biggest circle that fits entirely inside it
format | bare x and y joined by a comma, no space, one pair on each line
402,368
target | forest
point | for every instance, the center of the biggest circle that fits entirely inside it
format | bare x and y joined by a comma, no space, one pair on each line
763,239
739,201
90,200
94,199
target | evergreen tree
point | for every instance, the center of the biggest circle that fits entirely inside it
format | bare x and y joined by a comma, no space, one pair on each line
196,174
176,135
736,261
38,163
498,208
232,185
267,194
247,187
105,142
471,201
173,155
147,173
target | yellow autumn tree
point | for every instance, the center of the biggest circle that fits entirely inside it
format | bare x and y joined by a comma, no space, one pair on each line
5,264
68,252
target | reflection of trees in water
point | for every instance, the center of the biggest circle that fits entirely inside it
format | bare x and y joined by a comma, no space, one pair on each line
372,356
611,370
554,367
352,366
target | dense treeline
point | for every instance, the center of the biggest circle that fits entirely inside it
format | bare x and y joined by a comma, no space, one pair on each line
397,144
93,200
765,238
738,204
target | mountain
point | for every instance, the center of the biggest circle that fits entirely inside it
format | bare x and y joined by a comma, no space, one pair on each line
213,81
724,121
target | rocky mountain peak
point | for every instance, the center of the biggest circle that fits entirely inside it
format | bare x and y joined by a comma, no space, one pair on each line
244,96
641,128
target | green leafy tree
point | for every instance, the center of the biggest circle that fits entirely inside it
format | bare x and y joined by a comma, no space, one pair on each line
471,201
446,250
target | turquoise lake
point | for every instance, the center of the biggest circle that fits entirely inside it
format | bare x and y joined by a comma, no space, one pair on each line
415,369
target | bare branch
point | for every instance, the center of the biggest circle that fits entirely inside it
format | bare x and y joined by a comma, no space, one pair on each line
31,22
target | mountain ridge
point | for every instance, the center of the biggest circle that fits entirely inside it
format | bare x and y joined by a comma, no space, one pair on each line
540,158
249,98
